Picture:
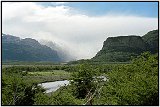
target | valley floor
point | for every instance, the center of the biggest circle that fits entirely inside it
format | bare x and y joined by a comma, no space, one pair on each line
127,84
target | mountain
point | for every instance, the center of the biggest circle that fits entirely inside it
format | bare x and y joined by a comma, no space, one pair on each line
63,53
17,49
122,48
151,39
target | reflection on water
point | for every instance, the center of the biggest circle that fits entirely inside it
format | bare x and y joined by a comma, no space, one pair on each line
53,86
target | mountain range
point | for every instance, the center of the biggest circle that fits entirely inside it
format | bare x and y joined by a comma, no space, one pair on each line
63,53
115,49
17,49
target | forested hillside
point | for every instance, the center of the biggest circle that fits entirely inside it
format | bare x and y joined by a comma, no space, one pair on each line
151,39
122,48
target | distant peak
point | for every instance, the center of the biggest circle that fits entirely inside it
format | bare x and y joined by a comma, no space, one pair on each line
7,37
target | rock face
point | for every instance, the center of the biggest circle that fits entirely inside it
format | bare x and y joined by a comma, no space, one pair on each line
124,44
16,49
120,49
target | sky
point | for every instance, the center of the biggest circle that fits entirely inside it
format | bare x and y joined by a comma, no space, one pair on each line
79,27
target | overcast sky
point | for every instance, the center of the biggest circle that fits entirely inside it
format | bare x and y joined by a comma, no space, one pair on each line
81,27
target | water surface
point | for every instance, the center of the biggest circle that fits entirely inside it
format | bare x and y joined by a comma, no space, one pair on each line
53,86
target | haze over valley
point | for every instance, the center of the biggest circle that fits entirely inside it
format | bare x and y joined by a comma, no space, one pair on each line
115,49
79,29
80,53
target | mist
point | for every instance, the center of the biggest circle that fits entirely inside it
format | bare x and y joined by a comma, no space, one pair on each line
82,35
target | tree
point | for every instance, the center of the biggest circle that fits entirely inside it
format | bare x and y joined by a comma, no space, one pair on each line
133,84
16,90
83,80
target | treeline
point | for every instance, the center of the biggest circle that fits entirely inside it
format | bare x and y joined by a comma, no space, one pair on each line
103,68
29,63
38,68
127,84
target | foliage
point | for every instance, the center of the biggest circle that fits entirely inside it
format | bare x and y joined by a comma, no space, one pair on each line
35,68
114,56
39,74
63,96
83,80
17,91
134,84
128,84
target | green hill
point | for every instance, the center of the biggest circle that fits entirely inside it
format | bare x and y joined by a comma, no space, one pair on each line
151,39
122,48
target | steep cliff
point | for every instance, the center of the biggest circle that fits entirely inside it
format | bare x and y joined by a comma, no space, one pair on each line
151,38
122,48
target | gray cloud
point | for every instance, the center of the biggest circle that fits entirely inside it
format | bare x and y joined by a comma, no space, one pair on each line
83,35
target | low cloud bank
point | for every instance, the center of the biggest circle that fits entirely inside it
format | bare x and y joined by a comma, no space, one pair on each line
83,35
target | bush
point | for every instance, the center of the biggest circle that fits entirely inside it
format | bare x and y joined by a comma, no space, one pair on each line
83,80
17,91
134,84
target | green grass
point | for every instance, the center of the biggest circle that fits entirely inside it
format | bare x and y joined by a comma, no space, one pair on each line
49,73
47,76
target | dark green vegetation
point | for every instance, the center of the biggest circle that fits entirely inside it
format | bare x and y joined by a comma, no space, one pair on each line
16,49
41,73
151,39
20,83
122,48
16,90
131,84
46,76
131,74
26,63
135,83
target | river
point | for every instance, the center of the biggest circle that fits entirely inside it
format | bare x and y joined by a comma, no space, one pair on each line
53,86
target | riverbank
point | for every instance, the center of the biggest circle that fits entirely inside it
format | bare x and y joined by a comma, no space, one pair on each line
48,76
